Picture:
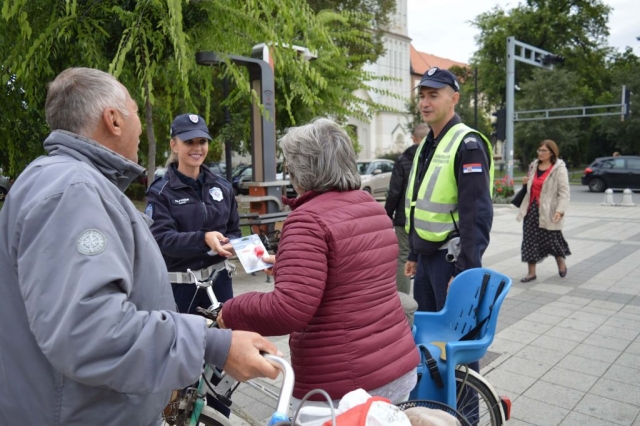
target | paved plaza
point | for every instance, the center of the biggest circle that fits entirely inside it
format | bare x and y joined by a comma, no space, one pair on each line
567,350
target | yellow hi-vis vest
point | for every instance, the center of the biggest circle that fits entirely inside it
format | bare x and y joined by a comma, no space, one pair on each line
438,193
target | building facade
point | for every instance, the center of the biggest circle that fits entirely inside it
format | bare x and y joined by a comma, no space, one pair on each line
386,132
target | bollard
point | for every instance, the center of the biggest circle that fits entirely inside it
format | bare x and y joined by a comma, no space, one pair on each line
608,198
627,198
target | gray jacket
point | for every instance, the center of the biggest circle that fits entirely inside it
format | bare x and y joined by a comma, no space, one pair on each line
87,332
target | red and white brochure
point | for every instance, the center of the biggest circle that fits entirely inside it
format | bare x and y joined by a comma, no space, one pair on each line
250,250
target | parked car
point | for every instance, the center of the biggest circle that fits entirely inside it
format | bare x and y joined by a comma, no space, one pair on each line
242,173
5,184
613,172
219,168
281,174
375,175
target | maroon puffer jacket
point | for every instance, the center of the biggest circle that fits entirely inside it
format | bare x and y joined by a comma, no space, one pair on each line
335,293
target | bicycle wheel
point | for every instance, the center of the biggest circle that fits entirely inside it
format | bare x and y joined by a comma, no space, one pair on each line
476,401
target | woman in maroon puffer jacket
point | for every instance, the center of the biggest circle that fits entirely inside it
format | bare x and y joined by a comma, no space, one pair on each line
335,289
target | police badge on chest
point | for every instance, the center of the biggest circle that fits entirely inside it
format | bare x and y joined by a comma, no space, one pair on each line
216,194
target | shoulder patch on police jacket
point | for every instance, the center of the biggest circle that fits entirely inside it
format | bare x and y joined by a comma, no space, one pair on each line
472,168
181,201
471,142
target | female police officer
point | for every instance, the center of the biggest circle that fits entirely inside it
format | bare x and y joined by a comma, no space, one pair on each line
194,214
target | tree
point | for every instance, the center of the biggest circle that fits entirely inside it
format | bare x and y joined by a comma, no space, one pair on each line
622,136
545,90
465,107
576,29
412,109
380,13
150,46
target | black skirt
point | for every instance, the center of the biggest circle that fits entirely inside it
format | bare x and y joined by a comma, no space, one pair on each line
538,243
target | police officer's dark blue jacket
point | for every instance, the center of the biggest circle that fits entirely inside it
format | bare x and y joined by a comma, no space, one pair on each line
184,209
475,207
394,205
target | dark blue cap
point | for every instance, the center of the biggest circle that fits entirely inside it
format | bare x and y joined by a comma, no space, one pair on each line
189,126
437,78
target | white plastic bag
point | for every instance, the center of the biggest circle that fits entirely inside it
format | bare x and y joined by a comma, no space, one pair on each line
357,408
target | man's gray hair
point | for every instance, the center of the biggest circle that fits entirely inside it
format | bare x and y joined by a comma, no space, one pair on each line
421,131
77,98
320,157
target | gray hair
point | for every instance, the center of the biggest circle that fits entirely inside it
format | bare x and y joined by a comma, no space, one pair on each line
421,131
77,98
320,157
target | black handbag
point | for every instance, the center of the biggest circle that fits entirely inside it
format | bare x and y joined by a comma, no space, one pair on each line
517,199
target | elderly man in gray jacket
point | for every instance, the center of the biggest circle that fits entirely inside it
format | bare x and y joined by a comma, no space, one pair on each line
88,335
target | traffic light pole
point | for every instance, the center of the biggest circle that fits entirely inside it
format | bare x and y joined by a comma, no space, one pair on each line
511,89
518,51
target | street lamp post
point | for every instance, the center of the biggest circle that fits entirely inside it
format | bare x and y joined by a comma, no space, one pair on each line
263,129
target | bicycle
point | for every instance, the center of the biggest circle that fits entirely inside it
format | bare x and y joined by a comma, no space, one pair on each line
189,406
468,337
457,335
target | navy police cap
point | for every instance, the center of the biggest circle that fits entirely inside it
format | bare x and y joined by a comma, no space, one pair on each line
437,78
189,126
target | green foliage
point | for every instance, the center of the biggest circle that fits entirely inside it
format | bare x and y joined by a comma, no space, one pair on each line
503,189
150,46
576,29
135,191
612,133
549,90
380,12
592,74
415,118
465,107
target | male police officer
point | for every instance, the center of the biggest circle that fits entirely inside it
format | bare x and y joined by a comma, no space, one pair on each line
88,335
449,193
394,205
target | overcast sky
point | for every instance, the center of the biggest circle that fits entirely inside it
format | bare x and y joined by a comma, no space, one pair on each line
442,28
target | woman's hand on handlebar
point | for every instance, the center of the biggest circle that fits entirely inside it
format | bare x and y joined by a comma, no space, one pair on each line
215,241
245,361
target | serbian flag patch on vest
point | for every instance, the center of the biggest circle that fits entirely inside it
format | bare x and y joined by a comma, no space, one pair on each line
472,168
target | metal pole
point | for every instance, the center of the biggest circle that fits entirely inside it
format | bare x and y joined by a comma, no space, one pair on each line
475,97
511,83
227,123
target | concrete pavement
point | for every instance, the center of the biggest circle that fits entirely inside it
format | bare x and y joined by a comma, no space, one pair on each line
567,351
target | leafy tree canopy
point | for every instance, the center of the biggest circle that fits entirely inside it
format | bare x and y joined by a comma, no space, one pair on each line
591,75
575,29
150,46
380,12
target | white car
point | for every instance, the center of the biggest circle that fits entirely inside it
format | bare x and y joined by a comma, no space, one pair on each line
282,175
375,175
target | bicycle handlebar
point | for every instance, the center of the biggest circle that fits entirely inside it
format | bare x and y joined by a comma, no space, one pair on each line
288,379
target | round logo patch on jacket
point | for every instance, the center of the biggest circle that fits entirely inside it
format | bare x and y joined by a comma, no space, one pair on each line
216,193
91,242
